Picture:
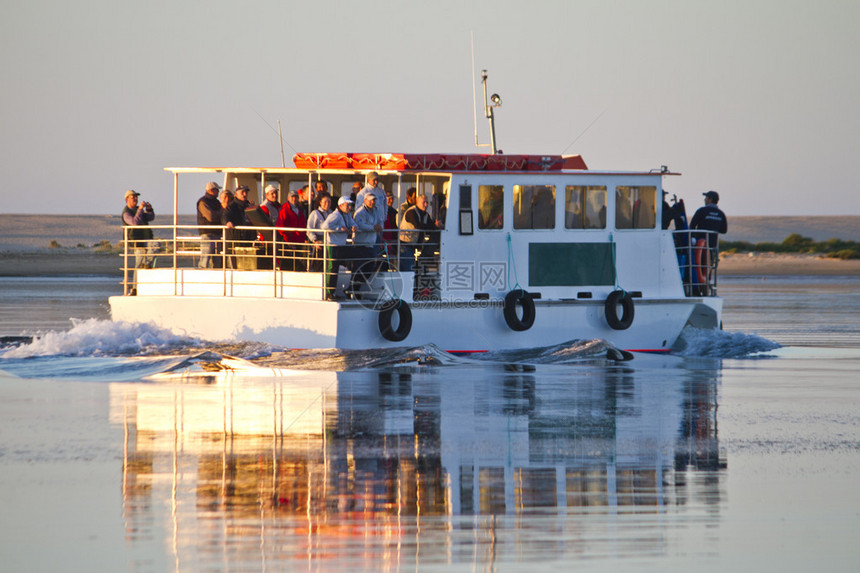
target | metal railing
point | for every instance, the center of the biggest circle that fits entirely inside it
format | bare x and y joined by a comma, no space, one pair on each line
698,256
181,248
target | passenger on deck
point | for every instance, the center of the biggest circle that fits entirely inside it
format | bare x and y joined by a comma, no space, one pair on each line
140,235
341,223
356,189
234,216
271,206
372,186
441,210
320,189
303,199
389,233
292,217
209,213
315,221
368,225
409,203
708,218
417,237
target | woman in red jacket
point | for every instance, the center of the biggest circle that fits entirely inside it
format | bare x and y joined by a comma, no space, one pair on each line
294,255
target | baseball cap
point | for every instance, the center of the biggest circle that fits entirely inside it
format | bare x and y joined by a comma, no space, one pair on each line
713,196
212,185
271,187
292,193
242,188
131,193
344,200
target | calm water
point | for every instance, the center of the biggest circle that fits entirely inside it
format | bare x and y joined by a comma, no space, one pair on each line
126,448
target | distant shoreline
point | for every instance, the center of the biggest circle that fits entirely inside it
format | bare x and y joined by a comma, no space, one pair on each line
25,244
82,262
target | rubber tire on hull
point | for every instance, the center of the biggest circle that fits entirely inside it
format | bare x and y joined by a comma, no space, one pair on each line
512,299
623,298
386,316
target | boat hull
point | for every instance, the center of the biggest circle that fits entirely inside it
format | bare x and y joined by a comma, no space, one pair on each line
456,327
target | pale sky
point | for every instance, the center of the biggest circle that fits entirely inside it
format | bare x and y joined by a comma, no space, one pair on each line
755,99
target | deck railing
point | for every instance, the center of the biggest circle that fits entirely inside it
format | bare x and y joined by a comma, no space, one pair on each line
248,248
698,256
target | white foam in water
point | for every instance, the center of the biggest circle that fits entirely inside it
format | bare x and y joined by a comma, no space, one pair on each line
722,343
94,337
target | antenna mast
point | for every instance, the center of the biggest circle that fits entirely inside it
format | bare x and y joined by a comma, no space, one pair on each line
281,139
496,101
489,104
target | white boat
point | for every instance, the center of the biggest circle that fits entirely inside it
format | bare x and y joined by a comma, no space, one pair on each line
568,254
533,251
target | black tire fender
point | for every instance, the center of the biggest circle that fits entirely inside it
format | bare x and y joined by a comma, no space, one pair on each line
623,298
512,318
386,319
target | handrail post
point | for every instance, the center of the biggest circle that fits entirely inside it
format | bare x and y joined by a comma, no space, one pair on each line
325,265
175,222
275,262
124,260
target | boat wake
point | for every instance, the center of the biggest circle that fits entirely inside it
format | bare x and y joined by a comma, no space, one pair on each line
94,337
567,352
103,349
695,342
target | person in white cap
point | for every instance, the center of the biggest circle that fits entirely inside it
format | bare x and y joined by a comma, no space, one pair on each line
209,213
340,223
271,206
139,235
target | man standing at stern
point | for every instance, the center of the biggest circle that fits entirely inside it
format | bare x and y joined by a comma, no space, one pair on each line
139,236
705,254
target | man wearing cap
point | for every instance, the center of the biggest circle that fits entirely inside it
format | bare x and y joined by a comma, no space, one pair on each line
340,223
292,217
368,224
710,218
234,216
139,236
209,213
271,206
707,218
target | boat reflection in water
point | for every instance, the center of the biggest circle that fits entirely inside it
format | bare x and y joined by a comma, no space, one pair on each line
414,465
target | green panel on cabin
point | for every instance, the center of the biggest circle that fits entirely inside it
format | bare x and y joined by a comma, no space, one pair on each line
571,264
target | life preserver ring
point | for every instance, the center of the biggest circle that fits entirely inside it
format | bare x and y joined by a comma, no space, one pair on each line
404,316
512,318
702,255
610,307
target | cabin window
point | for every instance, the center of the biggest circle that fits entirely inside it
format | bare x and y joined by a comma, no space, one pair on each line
635,207
585,207
491,201
534,206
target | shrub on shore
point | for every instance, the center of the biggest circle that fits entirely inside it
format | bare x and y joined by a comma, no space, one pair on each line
796,243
